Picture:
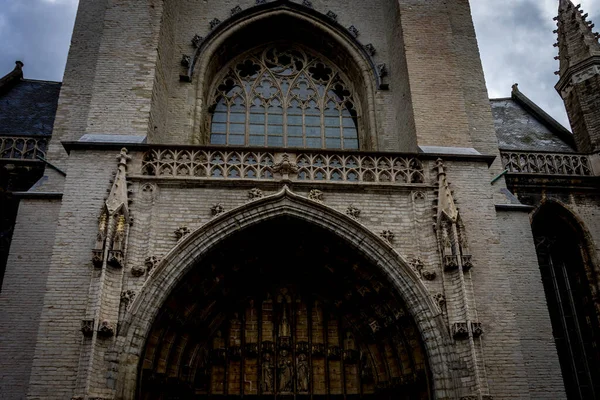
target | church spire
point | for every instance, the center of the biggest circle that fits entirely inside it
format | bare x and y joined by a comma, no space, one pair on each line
579,84
576,40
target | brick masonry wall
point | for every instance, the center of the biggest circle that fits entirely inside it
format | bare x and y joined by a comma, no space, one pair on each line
57,352
123,78
507,353
78,85
23,290
526,293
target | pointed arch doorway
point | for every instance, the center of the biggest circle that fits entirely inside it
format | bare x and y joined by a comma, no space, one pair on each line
284,310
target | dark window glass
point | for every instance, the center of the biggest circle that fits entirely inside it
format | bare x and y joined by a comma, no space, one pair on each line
284,97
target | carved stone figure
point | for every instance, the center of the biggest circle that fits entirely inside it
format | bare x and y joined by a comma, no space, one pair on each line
302,373
267,374
388,236
316,195
285,374
255,194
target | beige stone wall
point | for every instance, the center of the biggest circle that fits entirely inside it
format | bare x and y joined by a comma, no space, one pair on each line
503,290
59,339
23,290
123,78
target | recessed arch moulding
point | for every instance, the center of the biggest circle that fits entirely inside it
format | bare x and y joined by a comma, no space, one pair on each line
188,118
195,255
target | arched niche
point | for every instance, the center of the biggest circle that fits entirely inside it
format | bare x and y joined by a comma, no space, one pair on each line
284,22
277,216
570,276
284,309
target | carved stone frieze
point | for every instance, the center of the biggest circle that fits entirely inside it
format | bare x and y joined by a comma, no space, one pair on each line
388,236
334,353
148,192
186,60
450,263
115,258
370,49
440,299
366,374
197,40
235,10
217,209
302,347
255,194
460,330
127,297
268,347
428,275
467,262
418,266
316,195
353,212
382,70
351,356
182,232
251,350
87,327
286,166
214,23
476,329
151,262
235,352
106,329
138,271
97,257
374,325
318,350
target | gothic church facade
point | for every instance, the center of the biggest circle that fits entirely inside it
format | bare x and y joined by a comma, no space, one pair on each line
306,200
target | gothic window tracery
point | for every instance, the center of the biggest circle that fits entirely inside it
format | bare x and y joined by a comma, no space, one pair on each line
284,96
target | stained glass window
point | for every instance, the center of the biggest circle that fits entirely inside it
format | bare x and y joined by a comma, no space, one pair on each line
284,97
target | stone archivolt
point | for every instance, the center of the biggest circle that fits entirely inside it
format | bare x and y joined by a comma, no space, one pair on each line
235,343
304,329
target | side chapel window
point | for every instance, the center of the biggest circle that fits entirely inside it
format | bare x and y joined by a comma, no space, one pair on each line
284,97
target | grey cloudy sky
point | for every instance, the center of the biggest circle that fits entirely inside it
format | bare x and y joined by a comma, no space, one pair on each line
515,39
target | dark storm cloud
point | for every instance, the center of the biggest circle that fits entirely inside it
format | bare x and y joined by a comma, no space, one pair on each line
515,40
516,44
37,32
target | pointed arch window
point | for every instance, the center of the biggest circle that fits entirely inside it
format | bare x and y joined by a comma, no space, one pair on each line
571,292
284,96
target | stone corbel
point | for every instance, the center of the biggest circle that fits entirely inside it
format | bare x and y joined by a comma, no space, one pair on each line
460,330
106,329
87,327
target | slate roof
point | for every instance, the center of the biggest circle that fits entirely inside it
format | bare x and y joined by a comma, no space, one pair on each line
522,125
28,107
